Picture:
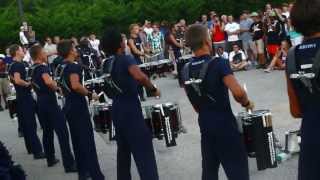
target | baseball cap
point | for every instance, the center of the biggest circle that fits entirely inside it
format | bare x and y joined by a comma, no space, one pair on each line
254,14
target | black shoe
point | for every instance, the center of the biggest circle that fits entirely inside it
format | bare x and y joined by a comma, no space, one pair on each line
6,106
39,156
84,177
71,169
20,134
1,108
53,162
143,99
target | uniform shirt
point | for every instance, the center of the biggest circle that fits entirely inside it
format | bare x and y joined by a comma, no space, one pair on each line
304,54
37,79
72,68
214,85
122,77
19,67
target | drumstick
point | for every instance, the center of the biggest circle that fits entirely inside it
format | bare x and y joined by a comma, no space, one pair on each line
246,90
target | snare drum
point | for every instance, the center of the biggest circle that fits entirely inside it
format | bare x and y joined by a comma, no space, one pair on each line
259,138
12,105
102,119
97,86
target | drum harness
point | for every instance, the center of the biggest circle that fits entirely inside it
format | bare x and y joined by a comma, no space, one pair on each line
307,74
195,86
111,88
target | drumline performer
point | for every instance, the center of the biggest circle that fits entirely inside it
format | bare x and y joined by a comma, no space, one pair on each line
132,134
26,105
303,67
77,113
49,110
137,50
207,81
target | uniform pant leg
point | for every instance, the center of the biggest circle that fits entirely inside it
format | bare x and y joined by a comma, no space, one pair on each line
21,129
30,125
60,127
210,161
48,136
309,158
231,152
123,158
140,142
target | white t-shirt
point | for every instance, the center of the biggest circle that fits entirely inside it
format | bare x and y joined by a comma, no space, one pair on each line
23,38
231,28
148,31
233,54
224,55
50,49
95,45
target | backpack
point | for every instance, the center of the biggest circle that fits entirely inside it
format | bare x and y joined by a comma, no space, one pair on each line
196,87
111,89
309,75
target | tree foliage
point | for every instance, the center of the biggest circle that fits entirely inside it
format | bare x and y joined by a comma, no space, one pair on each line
80,17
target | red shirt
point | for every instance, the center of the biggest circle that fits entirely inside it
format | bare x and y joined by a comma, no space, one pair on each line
219,35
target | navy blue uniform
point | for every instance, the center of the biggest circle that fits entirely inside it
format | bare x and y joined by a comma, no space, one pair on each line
78,117
52,118
133,136
221,141
310,143
26,107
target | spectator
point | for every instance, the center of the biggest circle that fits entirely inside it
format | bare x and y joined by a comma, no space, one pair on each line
245,36
212,16
238,59
218,34
147,28
156,40
258,34
50,49
220,52
95,43
23,39
171,40
233,30
204,20
8,59
74,41
285,10
4,82
56,40
273,34
295,37
279,60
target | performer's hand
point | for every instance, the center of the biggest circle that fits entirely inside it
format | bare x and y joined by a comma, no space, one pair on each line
95,96
157,93
249,106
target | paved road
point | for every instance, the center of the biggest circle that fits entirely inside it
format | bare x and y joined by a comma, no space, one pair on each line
183,161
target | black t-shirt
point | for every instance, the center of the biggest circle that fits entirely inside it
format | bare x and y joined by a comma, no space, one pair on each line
41,88
122,77
137,42
19,67
273,33
257,30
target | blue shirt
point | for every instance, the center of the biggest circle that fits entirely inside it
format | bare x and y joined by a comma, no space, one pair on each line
19,67
42,89
214,85
72,68
122,77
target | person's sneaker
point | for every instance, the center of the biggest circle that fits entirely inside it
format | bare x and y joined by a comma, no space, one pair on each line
71,169
39,156
53,162
267,70
183,130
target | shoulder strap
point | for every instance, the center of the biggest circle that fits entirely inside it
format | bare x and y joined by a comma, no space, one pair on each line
186,72
33,68
291,62
204,69
10,66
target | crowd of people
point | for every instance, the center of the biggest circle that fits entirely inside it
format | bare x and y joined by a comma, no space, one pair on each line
258,40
